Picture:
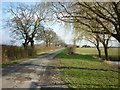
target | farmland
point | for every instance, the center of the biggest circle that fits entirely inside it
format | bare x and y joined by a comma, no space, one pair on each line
112,52
83,71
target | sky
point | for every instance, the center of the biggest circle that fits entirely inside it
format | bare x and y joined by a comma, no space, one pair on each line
65,33
6,34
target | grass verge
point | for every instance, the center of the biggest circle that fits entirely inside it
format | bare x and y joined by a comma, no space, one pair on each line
83,71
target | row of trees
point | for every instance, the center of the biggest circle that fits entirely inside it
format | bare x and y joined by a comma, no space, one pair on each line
27,24
99,20
96,21
49,37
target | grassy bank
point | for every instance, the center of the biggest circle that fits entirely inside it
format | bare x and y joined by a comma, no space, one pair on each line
83,71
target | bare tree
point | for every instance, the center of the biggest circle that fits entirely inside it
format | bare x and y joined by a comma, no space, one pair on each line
47,35
58,41
98,12
104,39
93,38
25,21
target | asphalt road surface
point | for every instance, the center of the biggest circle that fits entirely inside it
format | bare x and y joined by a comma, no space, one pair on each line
39,72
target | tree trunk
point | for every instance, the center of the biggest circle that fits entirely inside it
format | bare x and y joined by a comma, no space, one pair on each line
32,44
99,52
49,44
97,46
46,44
106,52
25,44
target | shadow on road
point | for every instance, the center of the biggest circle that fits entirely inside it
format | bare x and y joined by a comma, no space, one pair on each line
55,67
47,85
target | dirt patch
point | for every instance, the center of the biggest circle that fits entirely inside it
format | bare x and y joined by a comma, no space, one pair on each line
108,62
96,57
23,79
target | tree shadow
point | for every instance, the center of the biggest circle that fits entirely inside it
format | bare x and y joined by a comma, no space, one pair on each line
55,86
57,67
48,85
100,85
11,69
54,67
64,55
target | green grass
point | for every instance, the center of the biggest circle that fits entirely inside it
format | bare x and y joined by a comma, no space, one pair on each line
83,71
20,60
93,51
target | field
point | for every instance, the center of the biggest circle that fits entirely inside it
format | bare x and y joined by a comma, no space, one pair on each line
83,71
112,52
41,48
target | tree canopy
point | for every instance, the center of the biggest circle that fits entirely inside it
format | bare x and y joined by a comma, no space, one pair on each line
86,13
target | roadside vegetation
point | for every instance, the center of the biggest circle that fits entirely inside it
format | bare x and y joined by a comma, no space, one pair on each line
20,60
10,53
83,71
96,22
14,54
26,25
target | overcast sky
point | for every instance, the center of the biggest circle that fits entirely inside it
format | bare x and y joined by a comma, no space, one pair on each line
60,29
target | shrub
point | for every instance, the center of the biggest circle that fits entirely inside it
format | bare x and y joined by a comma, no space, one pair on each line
71,49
